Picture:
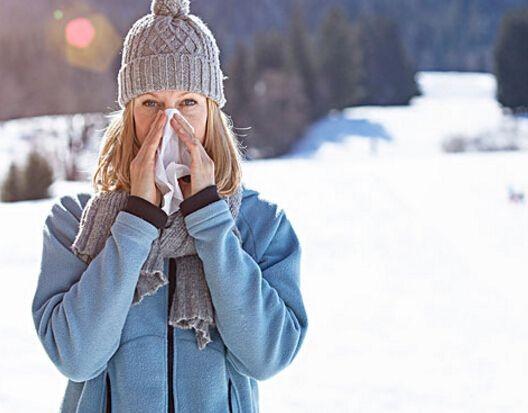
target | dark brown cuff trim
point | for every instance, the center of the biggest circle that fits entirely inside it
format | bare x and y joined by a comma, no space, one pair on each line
148,211
200,199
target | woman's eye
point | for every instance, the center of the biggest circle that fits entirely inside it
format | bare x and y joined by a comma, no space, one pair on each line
190,100
147,103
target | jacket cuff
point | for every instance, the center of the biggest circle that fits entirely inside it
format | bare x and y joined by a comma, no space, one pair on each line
200,199
148,211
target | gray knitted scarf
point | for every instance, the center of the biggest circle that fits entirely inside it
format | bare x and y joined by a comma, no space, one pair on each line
191,305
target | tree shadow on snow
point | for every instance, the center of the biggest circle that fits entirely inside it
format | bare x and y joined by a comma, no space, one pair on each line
336,128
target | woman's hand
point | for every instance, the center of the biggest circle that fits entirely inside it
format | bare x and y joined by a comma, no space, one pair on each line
142,167
202,166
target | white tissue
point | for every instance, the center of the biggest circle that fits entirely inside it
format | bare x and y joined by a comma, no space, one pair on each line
173,161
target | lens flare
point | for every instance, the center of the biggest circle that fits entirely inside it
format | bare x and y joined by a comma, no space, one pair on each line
57,14
80,32
83,37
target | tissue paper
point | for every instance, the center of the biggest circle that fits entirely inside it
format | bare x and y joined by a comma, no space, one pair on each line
173,161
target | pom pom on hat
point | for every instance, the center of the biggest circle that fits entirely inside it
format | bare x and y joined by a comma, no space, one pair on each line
170,7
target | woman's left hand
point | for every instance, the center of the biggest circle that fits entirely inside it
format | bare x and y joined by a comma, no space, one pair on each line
202,166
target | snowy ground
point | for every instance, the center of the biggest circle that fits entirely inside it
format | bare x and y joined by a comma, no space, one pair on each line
414,266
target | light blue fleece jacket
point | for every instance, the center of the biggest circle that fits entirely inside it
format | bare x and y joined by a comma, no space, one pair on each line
85,321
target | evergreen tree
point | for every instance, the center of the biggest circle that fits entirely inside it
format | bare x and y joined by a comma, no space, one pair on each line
37,176
301,49
338,61
387,75
239,82
29,182
271,52
511,61
278,106
279,112
12,185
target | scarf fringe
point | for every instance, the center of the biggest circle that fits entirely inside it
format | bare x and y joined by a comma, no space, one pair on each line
148,284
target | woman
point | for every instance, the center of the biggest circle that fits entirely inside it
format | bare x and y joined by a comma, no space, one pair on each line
137,326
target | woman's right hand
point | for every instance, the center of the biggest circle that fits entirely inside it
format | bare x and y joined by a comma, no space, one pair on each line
142,167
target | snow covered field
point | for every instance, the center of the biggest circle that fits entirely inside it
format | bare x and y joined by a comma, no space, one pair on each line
414,265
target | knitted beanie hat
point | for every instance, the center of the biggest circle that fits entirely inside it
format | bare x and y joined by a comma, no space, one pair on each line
170,49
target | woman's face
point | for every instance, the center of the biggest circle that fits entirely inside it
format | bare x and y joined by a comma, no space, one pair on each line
193,106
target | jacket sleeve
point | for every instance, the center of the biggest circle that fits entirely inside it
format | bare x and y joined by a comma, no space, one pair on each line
79,310
259,311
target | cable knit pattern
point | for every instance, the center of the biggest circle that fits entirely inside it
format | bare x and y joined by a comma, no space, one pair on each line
191,305
170,49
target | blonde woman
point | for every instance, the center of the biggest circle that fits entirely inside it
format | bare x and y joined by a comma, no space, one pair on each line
145,311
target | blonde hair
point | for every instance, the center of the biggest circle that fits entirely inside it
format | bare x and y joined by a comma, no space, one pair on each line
120,145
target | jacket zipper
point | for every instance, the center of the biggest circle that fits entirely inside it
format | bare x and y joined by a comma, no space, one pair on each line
170,344
170,349
108,395
229,396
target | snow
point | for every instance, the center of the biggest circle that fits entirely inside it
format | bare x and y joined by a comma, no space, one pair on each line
413,274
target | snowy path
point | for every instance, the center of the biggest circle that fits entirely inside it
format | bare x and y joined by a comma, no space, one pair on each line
418,269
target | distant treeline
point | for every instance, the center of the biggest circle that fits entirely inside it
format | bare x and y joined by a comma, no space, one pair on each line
288,62
282,82
438,35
